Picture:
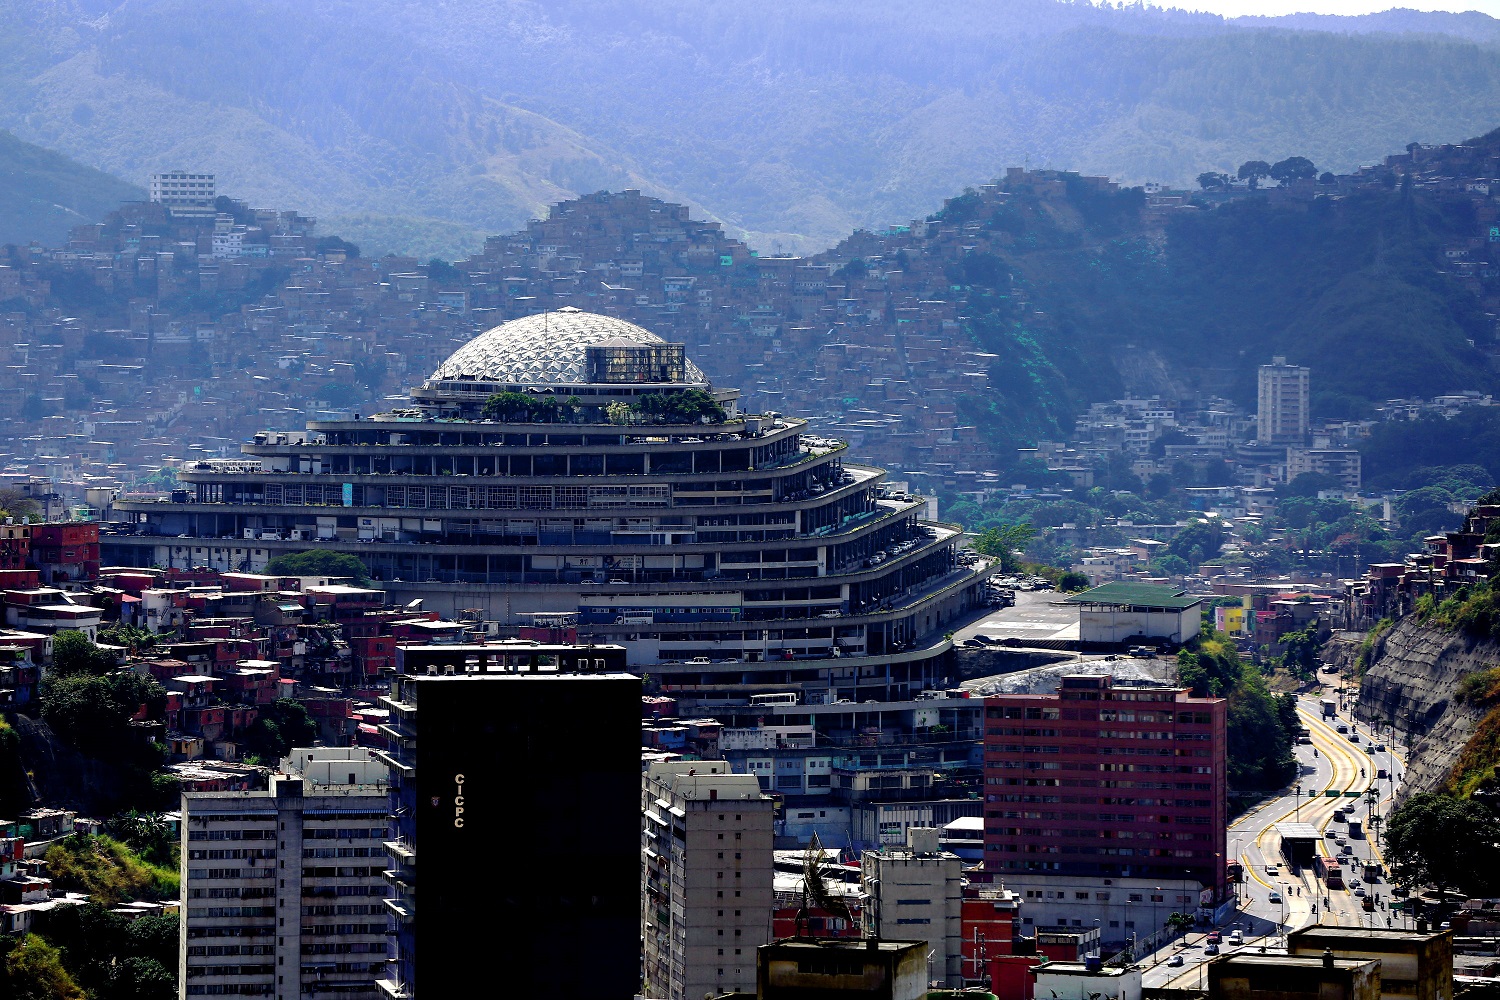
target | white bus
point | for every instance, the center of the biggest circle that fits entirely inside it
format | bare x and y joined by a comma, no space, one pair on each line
780,698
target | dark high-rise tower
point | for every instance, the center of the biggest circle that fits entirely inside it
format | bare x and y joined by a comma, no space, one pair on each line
521,799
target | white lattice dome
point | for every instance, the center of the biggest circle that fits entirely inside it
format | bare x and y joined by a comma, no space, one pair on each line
545,349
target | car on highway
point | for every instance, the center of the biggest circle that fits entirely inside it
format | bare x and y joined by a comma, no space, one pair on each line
1236,937
1331,833
1275,896
1368,904
1175,960
1212,949
1359,891
1343,728
1353,737
1273,870
1380,748
983,638
1214,937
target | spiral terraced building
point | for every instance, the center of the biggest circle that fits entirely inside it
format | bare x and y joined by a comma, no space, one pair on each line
731,555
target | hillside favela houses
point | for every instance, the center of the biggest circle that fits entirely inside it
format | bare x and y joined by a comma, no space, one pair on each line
576,469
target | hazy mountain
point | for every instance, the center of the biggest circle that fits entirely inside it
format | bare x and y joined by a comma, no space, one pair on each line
1471,25
44,194
426,126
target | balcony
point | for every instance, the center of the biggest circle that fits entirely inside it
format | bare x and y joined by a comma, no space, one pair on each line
403,908
401,851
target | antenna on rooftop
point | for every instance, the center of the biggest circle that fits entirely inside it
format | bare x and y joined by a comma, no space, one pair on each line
814,891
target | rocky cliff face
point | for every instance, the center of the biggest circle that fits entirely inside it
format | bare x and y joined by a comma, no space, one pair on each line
1413,673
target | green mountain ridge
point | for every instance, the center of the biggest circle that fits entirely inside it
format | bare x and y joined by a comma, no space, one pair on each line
793,123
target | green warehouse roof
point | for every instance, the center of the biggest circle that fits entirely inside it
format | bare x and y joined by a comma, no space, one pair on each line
1138,595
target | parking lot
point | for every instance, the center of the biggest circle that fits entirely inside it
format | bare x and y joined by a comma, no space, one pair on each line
1036,615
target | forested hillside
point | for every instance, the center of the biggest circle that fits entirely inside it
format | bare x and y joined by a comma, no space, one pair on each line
43,194
424,127
1079,293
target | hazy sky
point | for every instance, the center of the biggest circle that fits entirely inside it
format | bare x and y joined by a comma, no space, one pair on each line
1233,8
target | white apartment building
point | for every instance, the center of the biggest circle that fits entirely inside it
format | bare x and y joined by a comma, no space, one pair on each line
707,877
1341,463
282,889
184,192
916,893
1284,403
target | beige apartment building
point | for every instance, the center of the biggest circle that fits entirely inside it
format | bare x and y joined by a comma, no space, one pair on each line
706,879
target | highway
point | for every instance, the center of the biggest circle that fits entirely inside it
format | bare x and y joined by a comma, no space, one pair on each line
1330,763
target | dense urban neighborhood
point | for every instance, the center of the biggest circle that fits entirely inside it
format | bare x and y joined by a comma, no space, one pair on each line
953,612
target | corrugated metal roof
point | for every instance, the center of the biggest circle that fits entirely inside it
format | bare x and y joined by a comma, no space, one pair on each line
1144,595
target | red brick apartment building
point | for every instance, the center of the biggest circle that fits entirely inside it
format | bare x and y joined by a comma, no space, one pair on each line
67,552
1106,798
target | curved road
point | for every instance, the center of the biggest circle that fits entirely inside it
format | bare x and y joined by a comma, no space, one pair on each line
1340,766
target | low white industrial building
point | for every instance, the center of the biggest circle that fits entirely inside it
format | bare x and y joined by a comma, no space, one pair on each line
1116,613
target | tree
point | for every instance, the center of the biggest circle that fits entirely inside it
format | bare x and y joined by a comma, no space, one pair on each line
1006,543
112,957
1327,177
1443,841
147,834
1259,745
141,979
93,712
34,971
440,271
1213,179
74,653
319,562
687,406
1310,484
1293,168
282,725
133,638
1158,447
1071,581
1253,171
1300,654
14,503
327,244
1198,541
